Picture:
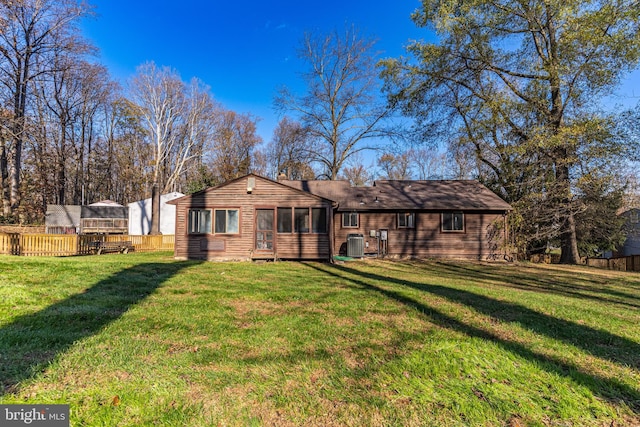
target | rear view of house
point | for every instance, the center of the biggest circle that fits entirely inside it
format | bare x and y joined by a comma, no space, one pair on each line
252,218
256,218
421,219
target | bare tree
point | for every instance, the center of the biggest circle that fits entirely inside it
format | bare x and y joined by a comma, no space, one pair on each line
290,151
33,31
67,106
428,163
234,142
356,172
123,158
198,131
342,107
395,166
175,119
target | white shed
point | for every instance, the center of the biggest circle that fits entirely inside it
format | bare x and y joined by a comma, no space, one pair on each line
140,215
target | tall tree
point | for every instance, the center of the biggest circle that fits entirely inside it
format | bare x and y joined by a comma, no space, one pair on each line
519,80
176,119
357,173
429,164
290,151
395,166
234,142
123,157
67,109
33,31
341,108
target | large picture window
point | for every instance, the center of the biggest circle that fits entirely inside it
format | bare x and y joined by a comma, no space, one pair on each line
453,221
406,220
350,220
227,221
199,221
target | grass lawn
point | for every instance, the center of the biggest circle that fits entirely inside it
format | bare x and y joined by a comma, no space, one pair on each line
142,339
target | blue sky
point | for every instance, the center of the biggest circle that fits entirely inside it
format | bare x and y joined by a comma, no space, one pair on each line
245,50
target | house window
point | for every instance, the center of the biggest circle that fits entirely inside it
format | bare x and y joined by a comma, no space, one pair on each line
350,220
406,220
227,221
199,221
453,221
285,222
319,220
301,220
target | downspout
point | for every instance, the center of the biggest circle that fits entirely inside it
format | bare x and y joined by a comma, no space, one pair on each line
332,237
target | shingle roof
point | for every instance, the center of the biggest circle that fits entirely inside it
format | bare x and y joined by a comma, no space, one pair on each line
467,195
332,190
63,215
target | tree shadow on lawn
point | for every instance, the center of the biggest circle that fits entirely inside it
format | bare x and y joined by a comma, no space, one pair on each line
592,341
31,342
557,285
552,282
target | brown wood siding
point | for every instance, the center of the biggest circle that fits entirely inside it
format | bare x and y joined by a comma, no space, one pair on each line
478,241
303,246
265,195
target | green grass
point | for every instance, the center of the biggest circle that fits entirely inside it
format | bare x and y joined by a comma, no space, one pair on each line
141,339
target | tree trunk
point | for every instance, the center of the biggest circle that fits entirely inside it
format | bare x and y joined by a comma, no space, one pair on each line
568,239
19,128
155,209
569,242
4,179
15,157
62,182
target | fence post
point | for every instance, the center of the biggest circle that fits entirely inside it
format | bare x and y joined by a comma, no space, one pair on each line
15,243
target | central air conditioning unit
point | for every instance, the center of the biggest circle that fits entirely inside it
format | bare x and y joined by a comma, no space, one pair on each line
355,245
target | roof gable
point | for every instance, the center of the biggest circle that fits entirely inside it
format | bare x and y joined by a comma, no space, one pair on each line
258,179
332,190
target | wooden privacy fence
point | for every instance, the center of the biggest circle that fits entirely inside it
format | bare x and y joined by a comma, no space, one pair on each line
73,244
627,263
